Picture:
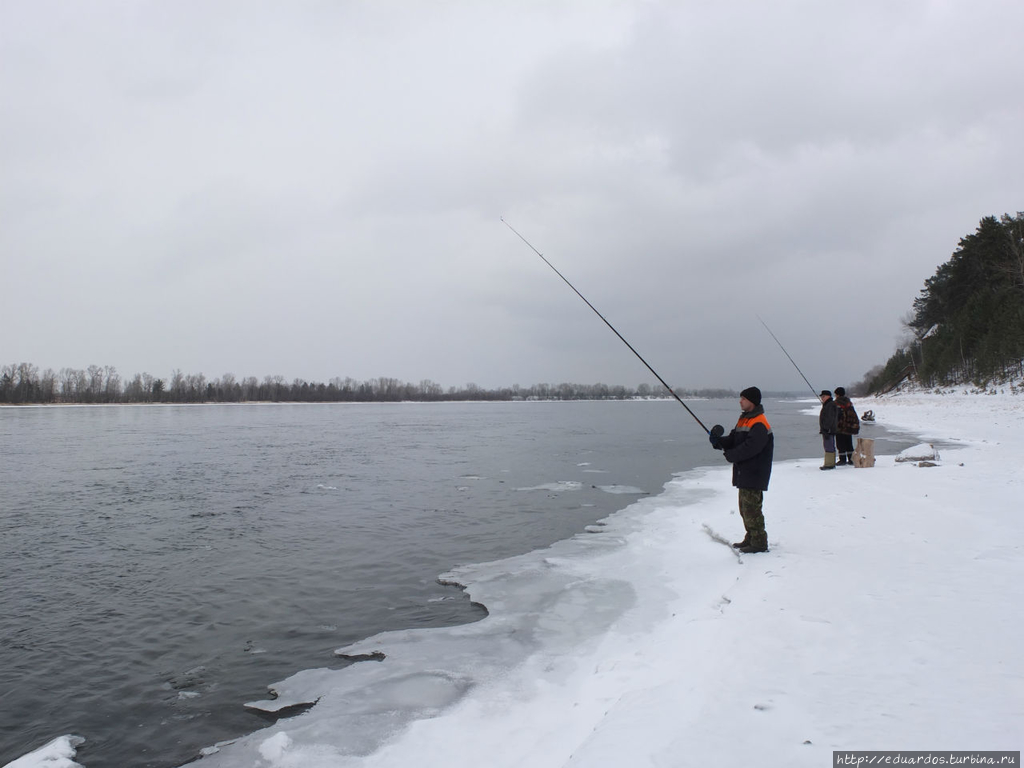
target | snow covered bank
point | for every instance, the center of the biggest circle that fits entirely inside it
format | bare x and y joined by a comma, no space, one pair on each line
885,617
58,753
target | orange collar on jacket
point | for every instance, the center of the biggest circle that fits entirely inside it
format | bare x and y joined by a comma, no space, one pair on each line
747,422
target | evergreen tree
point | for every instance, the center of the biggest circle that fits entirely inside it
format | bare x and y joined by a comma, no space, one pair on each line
969,318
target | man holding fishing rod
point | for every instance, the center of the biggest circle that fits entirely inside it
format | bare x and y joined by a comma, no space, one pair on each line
749,448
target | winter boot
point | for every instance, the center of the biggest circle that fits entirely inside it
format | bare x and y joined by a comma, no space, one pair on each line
758,543
741,544
842,459
830,461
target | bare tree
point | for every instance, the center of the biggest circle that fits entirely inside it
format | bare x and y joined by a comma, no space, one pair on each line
111,385
48,386
177,389
250,388
229,387
148,386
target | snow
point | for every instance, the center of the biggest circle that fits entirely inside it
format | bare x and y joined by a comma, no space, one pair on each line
919,452
55,754
885,617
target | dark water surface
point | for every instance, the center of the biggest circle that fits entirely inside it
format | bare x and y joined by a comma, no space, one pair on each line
162,565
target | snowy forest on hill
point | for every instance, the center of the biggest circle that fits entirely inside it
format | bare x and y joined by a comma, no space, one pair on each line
968,323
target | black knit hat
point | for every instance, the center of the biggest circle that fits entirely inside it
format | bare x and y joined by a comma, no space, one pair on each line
753,394
840,392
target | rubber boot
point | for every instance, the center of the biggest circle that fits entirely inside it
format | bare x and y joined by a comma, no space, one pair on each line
758,543
830,461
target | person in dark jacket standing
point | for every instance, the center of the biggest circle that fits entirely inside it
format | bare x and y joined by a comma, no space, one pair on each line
848,426
749,448
828,425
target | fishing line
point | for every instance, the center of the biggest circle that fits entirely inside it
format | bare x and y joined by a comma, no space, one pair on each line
787,354
639,356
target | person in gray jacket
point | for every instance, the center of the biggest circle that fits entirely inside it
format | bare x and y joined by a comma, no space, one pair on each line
828,424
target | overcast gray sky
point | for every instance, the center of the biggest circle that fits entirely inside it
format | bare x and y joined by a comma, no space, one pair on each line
315,189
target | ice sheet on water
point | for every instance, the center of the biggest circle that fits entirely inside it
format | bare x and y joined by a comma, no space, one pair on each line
58,753
557,487
541,605
621,489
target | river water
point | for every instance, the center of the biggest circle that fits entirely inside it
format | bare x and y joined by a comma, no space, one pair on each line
161,565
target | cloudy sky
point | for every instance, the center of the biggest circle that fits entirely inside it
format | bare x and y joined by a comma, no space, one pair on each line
316,189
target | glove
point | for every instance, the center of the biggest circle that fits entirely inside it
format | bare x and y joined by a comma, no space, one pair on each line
715,436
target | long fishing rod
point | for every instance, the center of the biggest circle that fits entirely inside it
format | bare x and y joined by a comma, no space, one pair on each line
670,391
787,354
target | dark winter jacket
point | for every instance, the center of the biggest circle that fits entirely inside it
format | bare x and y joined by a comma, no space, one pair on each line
749,448
828,419
849,424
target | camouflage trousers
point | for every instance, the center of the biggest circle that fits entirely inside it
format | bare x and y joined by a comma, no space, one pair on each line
753,518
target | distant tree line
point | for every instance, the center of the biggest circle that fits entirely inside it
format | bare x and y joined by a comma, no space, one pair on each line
967,325
23,383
